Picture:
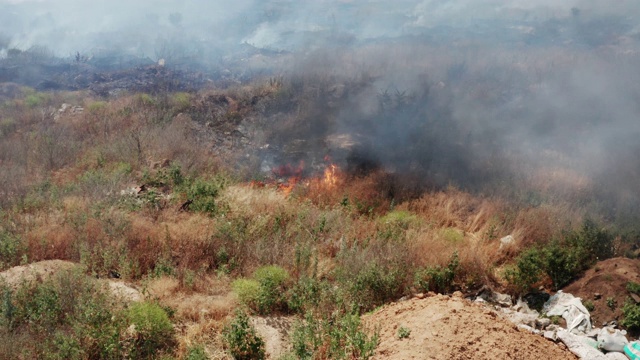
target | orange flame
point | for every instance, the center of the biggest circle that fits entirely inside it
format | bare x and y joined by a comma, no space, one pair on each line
330,179
331,176
287,187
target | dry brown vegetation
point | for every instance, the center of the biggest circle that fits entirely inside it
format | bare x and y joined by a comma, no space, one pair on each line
68,192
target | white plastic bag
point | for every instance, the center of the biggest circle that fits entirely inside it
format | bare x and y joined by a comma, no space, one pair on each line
610,339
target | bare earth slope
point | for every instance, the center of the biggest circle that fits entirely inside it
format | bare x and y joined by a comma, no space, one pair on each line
609,280
448,328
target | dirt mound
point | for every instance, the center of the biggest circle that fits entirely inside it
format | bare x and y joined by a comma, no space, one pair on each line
37,271
605,285
443,327
43,270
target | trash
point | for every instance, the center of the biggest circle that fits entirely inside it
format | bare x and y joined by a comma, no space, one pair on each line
501,299
581,346
551,335
542,323
529,329
610,339
506,241
520,314
571,309
632,350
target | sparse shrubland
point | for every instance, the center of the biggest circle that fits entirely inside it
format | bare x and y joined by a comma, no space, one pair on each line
154,189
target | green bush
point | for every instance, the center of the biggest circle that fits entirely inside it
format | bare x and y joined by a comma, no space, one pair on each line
203,194
196,352
242,340
561,263
588,304
633,287
593,243
97,107
527,270
561,260
374,285
35,100
11,249
76,314
438,279
631,314
150,329
248,291
338,336
308,293
266,292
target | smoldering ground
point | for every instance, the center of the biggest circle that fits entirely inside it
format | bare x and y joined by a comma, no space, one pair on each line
493,96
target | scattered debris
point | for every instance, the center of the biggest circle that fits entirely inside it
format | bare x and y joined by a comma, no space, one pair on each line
507,241
571,309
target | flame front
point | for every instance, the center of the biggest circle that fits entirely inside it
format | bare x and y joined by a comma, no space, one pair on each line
331,176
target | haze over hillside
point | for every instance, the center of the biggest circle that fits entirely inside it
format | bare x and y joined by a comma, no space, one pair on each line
476,92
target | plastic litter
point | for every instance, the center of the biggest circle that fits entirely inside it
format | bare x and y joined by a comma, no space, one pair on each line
571,309
632,350
579,345
610,339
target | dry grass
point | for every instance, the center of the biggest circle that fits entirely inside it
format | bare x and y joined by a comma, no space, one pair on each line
186,261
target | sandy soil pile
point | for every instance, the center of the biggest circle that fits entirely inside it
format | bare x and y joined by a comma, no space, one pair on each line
43,270
444,327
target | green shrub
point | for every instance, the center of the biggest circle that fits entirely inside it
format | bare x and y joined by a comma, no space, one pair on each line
272,280
338,336
633,287
374,285
35,100
588,304
181,101
97,107
452,235
11,249
150,329
242,340
527,270
403,332
145,100
203,194
561,263
76,314
631,314
401,219
438,279
593,243
308,293
248,291
196,352
265,292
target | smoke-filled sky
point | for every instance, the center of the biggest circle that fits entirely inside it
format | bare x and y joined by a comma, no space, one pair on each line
535,84
140,27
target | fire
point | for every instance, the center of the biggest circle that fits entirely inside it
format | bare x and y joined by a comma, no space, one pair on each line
287,187
294,175
331,176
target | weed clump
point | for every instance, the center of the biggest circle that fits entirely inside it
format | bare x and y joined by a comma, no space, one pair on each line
150,329
438,279
265,292
337,336
242,340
